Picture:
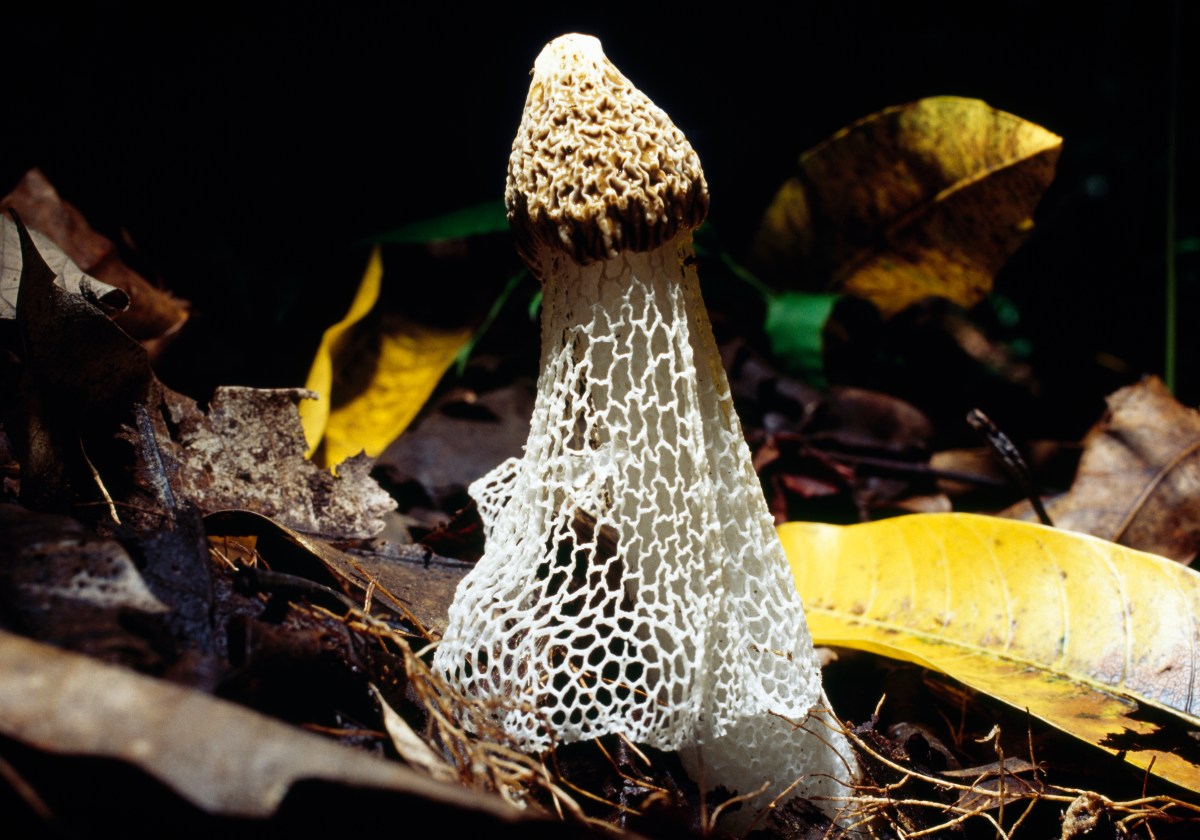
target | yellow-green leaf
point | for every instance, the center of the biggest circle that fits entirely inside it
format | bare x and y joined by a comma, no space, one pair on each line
924,199
1079,631
372,375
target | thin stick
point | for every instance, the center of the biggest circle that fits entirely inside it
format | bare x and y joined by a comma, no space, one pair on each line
112,508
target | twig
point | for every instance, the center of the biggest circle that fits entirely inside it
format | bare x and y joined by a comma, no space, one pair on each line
1011,458
108,500
25,790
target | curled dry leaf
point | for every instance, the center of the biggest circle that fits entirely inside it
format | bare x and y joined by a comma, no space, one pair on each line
1094,638
924,199
80,378
410,746
151,312
999,783
1138,482
66,274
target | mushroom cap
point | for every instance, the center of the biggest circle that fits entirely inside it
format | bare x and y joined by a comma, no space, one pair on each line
596,168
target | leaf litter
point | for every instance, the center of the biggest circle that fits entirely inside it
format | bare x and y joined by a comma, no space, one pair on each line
124,456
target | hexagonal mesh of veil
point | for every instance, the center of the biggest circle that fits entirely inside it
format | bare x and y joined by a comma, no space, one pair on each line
633,581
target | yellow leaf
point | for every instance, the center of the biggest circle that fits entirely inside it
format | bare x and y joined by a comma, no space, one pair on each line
928,198
1079,631
314,414
372,375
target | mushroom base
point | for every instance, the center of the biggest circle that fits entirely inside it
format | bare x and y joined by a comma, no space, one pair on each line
807,757
633,582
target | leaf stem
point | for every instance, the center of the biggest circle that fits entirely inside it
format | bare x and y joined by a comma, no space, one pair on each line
746,276
1170,371
465,353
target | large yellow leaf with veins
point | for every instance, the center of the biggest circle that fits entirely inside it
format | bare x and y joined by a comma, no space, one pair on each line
1082,632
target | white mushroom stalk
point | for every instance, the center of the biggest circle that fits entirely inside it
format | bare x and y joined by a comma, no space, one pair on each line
633,582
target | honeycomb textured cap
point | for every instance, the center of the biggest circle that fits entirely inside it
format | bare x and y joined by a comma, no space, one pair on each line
596,168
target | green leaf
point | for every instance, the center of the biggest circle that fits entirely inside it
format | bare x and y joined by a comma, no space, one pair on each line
480,219
795,324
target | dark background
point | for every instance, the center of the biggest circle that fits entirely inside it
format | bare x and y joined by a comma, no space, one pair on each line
248,149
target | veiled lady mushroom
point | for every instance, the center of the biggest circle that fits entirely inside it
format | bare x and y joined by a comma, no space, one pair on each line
632,582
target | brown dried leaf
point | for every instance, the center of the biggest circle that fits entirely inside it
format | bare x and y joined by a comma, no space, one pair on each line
61,584
859,419
961,470
86,379
1138,482
460,437
80,377
410,746
221,757
999,790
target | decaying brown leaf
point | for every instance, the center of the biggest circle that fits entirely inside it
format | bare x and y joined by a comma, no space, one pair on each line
410,746
928,198
247,451
866,446
88,446
151,313
959,470
80,378
62,584
1138,482
459,438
